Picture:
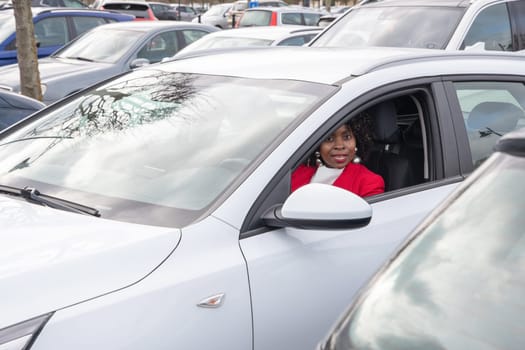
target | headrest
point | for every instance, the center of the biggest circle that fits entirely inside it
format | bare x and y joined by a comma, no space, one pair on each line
500,117
385,122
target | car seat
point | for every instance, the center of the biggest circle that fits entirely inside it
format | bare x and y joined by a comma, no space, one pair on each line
385,157
486,123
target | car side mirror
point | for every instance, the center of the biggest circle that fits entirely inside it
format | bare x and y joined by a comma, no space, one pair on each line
139,62
320,206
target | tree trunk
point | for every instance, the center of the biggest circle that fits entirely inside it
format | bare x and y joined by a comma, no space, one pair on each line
26,50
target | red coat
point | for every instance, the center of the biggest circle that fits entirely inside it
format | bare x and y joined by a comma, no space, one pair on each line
355,178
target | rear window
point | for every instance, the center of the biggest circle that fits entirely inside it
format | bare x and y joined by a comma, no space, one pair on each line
137,10
255,18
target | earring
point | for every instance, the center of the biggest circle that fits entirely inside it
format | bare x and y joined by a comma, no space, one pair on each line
318,159
356,159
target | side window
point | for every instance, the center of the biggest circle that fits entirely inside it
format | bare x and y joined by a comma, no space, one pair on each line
291,18
83,24
388,146
159,47
52,31
190,35
491,27
517,9
490,110
311,19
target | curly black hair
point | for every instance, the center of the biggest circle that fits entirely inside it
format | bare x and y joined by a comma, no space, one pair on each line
362,127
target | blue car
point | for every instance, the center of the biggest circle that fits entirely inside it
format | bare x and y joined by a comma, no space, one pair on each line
54,27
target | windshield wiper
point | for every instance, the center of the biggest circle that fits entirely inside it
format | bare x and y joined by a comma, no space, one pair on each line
33,195
80,58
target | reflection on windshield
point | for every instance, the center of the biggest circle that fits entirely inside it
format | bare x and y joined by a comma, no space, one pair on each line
402,26
151,137
110,45
460,284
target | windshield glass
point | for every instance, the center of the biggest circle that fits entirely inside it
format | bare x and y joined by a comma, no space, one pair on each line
110,45
153,146
460,283
7,24
403,26
217,42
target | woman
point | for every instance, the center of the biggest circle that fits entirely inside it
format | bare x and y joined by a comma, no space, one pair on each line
336,161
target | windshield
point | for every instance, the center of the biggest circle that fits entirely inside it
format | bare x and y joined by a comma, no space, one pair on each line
7,24
111,45
421,27
217,42
153,146
460,283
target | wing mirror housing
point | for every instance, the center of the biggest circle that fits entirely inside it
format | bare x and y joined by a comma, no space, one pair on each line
139,62
320,206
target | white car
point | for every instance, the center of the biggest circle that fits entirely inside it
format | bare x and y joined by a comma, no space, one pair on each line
153,211
252,36
216,16
494,25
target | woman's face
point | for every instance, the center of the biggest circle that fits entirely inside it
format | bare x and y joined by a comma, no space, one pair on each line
339,148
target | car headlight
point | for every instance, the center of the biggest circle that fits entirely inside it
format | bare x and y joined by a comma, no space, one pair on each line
21,335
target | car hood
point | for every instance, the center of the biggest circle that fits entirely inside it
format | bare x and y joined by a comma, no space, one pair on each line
50,259
51,67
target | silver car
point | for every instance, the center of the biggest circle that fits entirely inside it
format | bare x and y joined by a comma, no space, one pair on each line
153,210
216,16
104,52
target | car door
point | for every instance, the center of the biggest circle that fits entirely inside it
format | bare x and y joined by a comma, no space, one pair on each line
302,279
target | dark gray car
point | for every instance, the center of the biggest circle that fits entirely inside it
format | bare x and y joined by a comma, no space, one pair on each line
106,51
15,107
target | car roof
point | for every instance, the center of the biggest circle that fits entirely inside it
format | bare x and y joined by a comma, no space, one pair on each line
447,3
148,25
330,65
284,9
266,32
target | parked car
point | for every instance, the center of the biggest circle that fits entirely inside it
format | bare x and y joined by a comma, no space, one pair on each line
254,36
51,3
458,273
54,27
140,9
239,6
191,238
15,107
216,16
276,16
163,11
185,13
481,24
106,51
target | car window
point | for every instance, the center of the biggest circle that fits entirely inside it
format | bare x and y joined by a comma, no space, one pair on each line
111,45
311,19
291,18
83,24
491,27
392,143
490,109
52,31
191,35
7,25
255,18
404,26
297,40
160,46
